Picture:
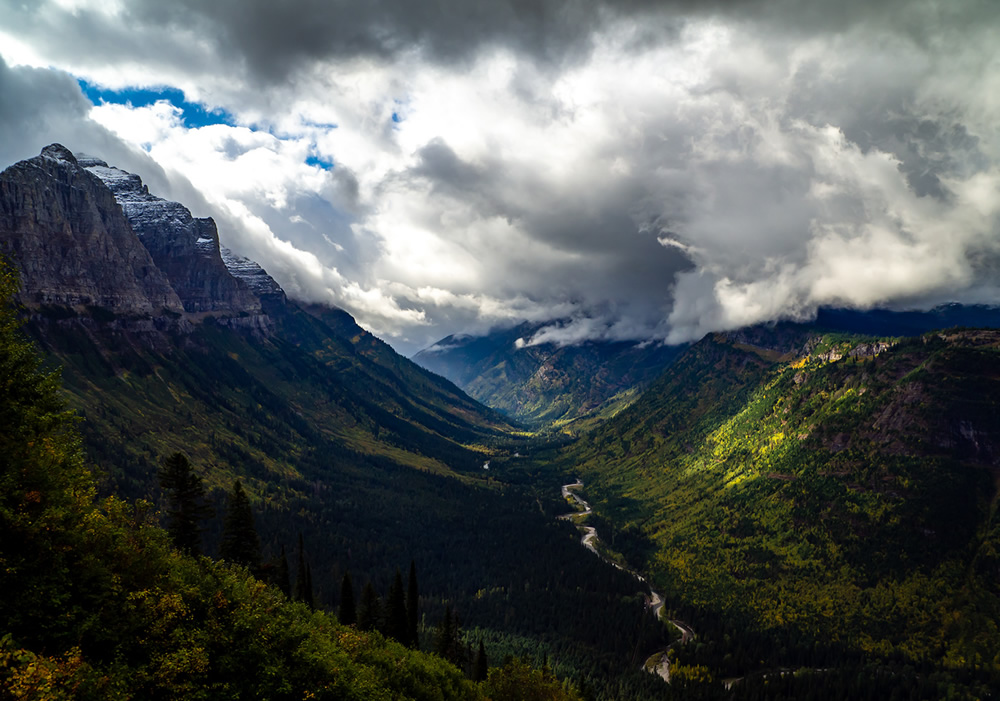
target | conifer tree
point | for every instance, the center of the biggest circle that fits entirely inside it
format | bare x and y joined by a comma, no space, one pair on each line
412,609
347,614
284,581
443,633
480,670
448,639
303,587
240,543
370,609
186,507
310,592
396,620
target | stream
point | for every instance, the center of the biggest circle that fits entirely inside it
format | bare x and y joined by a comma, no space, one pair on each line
654,601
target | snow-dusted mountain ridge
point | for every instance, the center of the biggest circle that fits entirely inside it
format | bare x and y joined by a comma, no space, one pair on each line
184,247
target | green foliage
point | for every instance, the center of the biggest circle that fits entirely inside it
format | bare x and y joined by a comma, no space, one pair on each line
840,498
517,681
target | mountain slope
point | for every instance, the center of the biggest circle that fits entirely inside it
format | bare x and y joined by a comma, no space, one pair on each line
842,487
97,605
546,383
372,460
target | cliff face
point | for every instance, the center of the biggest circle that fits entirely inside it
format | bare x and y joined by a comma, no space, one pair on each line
72,244
184,247
272,298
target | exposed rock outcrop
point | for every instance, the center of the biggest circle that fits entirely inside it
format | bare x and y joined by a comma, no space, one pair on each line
71,243
184,247
272,298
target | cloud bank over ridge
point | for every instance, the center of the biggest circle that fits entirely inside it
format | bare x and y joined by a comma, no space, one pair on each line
637,171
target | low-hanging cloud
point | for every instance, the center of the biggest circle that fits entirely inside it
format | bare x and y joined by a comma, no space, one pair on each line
629,171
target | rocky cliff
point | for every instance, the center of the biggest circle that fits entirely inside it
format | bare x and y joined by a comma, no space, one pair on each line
71,243
272,298
184,247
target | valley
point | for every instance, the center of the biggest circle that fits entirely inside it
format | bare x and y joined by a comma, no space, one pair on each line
813,510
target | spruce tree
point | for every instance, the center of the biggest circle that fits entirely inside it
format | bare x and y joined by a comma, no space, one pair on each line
412,609
370,609
448,639
303,585
186,507
480,670
240,543
347,614
442,635
396,621
284,580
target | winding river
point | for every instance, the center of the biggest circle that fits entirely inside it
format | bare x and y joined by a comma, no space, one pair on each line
654,602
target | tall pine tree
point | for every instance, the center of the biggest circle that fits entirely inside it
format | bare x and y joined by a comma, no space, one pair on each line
283,577
448,639
240,543
347,614
369,609
186,507
396,622
303,583
481,667
412,609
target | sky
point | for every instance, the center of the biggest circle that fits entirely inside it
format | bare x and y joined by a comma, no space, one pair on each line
628,170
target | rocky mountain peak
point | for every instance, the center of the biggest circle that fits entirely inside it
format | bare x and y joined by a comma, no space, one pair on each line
271,296
71,243
58,152
184,247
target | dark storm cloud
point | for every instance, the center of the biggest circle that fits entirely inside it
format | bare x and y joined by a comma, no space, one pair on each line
625,266
270,40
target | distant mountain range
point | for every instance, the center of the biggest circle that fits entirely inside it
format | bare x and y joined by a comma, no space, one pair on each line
577,385
547,384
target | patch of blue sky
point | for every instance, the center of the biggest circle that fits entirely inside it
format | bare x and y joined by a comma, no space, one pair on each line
193,114
399,114
319,162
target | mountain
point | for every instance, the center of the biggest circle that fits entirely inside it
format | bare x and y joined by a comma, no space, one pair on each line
185,248
113,275
73,244
887,322
367,459
547,383
824,488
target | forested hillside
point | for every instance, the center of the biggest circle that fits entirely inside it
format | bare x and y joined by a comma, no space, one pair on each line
98,605
818,489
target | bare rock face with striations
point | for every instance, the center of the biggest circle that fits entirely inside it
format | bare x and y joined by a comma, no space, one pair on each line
184,247
272,298
71,243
